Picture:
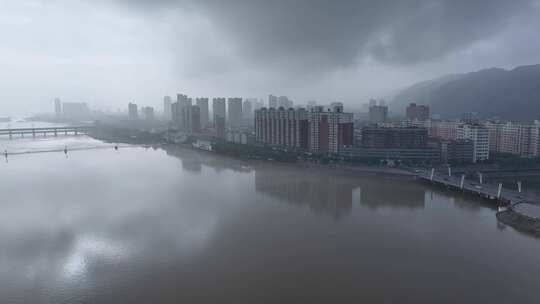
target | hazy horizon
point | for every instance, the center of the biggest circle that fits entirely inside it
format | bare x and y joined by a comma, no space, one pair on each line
428,194
109,53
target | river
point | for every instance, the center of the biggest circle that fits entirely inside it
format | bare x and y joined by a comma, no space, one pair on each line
144,225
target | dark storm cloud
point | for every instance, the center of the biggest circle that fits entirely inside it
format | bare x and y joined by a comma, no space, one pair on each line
109,52
340,33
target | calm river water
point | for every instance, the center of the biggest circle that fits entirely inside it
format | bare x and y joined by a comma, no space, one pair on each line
153,226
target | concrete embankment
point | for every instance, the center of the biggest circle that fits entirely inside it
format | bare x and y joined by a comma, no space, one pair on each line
366,171
520,221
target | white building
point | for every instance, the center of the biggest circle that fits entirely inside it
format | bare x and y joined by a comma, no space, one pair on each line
480,138
516,139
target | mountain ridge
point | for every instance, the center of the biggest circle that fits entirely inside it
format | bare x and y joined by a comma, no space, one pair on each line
494,92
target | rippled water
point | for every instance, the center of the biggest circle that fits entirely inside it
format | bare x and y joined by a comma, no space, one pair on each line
179,226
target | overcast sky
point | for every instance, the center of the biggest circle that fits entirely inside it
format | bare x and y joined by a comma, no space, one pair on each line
110,52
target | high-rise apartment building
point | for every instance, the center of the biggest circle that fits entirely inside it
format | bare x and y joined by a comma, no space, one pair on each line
148,113
319,130
330,130
204,112
196,119
219,109
516,139
285,102
182,113
219,123
378,114
310,105
512,138
417,112
286,127
272,101
247,108
133,112
258,104
167,108
445,130
479,135
495,131
187,116
235,112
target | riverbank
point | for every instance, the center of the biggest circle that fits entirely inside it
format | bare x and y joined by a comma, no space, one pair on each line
252,154
520,222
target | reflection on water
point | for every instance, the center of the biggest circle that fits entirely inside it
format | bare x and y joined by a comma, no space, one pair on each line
328,192
322,193
181,226
391,193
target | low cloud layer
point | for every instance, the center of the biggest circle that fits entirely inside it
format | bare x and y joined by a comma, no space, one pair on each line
310,49
324,33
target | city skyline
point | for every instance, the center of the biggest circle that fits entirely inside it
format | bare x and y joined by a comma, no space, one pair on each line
269,151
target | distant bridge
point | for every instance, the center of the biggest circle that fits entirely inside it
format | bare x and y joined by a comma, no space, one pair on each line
55,131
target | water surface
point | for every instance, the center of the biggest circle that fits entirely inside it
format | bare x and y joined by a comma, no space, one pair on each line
143,225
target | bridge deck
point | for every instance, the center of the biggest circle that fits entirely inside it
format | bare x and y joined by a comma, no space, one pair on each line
45,130
485,190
